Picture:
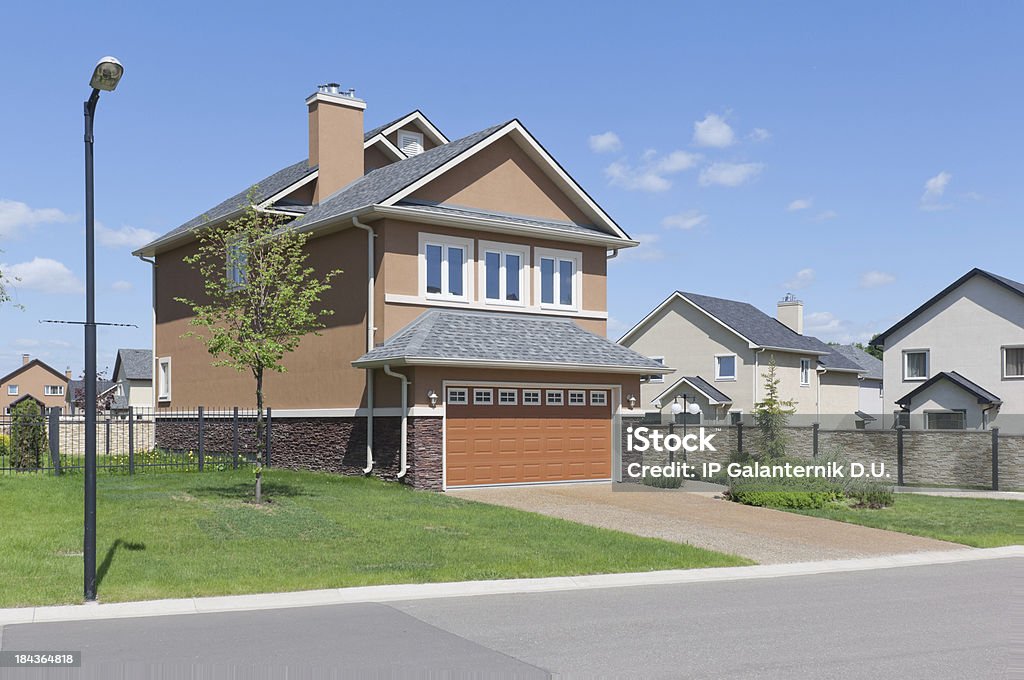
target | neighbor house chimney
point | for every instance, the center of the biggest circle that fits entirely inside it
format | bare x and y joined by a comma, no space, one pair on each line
67,373
25,359
791,313
335,138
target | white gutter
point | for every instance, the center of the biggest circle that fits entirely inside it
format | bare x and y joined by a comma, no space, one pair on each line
370,328
403,447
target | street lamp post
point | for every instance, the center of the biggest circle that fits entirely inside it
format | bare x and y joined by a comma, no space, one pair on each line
105,77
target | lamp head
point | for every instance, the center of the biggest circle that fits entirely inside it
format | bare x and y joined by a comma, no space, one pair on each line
677,408
107,74
693,408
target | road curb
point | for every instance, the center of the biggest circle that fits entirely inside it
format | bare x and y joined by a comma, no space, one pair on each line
420,591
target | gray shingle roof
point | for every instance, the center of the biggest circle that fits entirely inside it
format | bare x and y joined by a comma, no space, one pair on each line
264,189
460,211
765,331
698,383
872,365
102,386
983,395
379,184
443,336
136,364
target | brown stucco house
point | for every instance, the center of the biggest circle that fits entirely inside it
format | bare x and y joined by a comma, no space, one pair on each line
468,341
36,379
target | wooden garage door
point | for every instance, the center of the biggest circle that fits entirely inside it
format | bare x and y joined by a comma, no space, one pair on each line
515,443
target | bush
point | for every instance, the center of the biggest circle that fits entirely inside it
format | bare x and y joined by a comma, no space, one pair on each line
663,482
28,436
793,494
865,493
5,445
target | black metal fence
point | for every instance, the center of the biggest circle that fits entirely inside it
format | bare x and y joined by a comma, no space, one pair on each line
135,440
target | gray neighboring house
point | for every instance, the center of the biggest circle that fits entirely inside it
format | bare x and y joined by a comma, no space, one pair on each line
133,375
871,392
957,361
105,389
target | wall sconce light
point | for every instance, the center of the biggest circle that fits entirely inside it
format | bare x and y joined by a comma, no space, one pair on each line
632,400
432,396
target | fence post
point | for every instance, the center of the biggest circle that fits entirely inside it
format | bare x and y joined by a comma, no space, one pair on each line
55,439
899,455
106,434
202,436
234,439
267,457
131,440
739,436
995,459
814,440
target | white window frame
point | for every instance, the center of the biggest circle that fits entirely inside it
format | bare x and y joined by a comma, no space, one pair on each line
1005,348
507,392
576,258
805,373
53,390
235,273
735,415
483,396
657,378
735,368
164,385
503,250
458,396
445,243
531,398
12,390
416,136
580,395
927,364
598,398
548,397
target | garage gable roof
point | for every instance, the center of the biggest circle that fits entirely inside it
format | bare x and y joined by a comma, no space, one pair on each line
983,395
444,337
714,395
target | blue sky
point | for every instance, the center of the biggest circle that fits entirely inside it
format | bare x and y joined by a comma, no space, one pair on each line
860,155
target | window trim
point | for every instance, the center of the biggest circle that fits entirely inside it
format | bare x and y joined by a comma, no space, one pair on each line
735,415
581,394
927,364
53,390
409,133
550,393
603,398
503,392
12,390
503,250
445,242
805,371
457,400
532,393
479,392
659,379
1002,352
735,368
576,257
163,395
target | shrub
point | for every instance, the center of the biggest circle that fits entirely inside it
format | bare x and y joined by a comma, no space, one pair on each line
5,445
865,493
28,436
793,494
663,482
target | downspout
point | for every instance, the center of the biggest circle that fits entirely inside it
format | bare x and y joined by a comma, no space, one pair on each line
403,447
817,397
153,387
757,374
370,328
613,254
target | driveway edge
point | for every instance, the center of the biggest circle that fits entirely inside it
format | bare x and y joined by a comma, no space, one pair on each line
420,591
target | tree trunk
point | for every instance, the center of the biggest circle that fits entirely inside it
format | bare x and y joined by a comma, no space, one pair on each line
261,446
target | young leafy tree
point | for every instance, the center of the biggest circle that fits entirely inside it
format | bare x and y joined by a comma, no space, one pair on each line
261,299
772,415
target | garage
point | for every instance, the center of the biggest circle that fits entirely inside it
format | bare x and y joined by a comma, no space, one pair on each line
519,435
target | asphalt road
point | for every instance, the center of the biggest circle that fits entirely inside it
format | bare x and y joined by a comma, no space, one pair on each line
941,621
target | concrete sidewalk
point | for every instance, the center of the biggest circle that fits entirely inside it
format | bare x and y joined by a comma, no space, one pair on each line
963,493
763,535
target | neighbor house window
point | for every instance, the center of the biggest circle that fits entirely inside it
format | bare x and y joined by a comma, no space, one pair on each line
483,396
458,395
915,364
725,367
1013,362
805,371
163,374
554,397
945,420
445,267
599,398
557,271
901,419
237,264
53,390
411,143
507,397
577,398
657,378
531,397
12,390
504,273
735,417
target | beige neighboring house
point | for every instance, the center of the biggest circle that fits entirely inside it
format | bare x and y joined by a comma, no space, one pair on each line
36,380
133,375
957,361
721,350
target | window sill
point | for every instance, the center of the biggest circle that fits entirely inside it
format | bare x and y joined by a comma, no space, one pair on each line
725,379
914,379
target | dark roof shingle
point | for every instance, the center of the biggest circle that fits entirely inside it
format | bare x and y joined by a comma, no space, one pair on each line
983,395
871,365
136,364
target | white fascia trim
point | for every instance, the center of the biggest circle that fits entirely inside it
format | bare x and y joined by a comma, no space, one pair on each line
547,163
677,294
514,365
435,135
628,334
677,384
390,148
287,190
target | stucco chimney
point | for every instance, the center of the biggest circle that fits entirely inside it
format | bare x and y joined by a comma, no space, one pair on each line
25,359
791,313
67,373
335,138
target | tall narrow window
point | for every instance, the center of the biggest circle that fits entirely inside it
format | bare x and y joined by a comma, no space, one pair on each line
558,279
237,264
435,261
503,275
164,378
445,268
805,371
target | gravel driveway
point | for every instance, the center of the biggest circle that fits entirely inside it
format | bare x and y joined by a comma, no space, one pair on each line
763,535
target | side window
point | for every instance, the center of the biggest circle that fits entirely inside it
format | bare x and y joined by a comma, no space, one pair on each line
445,267
554,397
164,378
483,396
577,398
458,395
531,397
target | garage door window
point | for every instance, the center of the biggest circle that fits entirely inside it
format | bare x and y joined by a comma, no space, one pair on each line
507,397
458,395
531,397
483,397
554,397
577,398
599,398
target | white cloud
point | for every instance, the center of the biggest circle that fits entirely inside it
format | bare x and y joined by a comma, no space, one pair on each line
122,286
713,131
648,250
759,135
44,275
16,216
830,328
799,204
934,189
651,174
125,237
605,142
802,279
688,219
729,174
875,278
826,215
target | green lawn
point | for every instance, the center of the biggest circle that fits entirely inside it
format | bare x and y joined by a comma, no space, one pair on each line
979,522
191,534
